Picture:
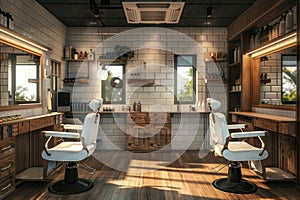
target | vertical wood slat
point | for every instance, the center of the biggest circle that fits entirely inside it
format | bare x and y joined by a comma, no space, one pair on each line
298,99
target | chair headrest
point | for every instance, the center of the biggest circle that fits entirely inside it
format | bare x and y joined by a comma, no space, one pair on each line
213,104
95,104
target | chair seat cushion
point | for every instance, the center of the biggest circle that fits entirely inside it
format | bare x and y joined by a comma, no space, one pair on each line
68,151
240,151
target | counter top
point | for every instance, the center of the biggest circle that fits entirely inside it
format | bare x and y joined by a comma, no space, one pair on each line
265,116
126,112
22,119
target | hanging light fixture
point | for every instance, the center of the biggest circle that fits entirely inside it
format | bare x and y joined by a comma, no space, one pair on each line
209,12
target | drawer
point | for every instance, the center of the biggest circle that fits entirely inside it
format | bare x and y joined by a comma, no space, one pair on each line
138,118
7,186
8,131
266,124
159,117
6,147
24,127
287,128
7,166
40,123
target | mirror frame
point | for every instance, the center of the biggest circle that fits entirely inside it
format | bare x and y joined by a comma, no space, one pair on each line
254,64
18,41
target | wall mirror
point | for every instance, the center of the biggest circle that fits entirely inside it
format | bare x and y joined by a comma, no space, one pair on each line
20,78
278,78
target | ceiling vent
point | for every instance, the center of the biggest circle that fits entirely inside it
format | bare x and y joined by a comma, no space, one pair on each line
145,12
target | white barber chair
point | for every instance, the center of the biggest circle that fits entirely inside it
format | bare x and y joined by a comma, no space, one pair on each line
74,151
235,150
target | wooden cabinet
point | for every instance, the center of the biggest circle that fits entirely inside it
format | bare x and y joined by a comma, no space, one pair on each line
287,154
148,131
7,161
21,145
280,142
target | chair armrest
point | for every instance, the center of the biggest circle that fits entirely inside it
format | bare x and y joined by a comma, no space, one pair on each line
73,127
236,126
62,134
247,134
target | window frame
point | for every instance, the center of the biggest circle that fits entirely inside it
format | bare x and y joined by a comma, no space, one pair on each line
14,81
104,82
194,64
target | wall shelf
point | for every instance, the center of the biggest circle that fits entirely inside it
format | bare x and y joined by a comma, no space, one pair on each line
82,80
265,81
142,82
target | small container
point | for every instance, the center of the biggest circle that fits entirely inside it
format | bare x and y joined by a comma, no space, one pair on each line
91,55
134,106
139,107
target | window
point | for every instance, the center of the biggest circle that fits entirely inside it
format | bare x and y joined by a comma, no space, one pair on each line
185,79
23,79
288,78
113,88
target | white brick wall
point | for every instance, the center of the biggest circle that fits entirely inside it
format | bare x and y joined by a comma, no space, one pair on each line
150,46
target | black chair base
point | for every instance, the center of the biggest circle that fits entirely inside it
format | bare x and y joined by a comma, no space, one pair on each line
62,188
234,182
71,183
243,187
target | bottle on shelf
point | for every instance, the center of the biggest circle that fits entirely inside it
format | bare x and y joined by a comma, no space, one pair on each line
238,56
134,106
67,53
281,25
234,55
289,21
139,107
75,55
81,56
294,11
11,22
91,55
72,52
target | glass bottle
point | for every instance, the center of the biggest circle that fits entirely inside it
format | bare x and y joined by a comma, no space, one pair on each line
139,107
91,55
281,26
289,21
252,42
294,11
11,22
134,106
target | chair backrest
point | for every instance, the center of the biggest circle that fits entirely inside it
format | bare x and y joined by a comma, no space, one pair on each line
217,124
218,128
90,128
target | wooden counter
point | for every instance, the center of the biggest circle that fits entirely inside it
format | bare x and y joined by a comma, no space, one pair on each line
21,144
280,141
265,116
278,124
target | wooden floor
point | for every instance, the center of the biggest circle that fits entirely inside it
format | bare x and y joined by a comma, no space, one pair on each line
189,177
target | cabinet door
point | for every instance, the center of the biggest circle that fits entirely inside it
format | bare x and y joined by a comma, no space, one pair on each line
161,136
288,156
138,137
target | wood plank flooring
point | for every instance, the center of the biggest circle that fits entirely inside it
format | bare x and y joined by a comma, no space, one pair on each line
189,177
